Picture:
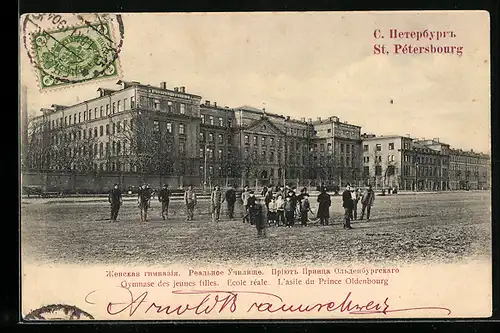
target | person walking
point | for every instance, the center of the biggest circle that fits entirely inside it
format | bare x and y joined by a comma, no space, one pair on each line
304,208
190,200
325,202
347,205
244,198
367,202
230,199
164,199
115,199
216,202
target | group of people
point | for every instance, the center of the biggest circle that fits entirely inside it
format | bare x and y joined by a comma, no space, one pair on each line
281,207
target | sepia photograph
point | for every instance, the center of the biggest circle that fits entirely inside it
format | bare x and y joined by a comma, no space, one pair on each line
255,165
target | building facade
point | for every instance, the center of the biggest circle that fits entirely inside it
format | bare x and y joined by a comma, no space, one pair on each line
469,170
145,130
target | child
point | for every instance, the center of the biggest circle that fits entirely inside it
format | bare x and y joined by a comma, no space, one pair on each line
273,211
280,210
304,209
289,212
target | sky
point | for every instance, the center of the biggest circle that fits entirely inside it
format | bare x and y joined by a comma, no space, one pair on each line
314,64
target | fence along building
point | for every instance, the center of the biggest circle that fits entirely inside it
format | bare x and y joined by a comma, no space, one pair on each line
141,132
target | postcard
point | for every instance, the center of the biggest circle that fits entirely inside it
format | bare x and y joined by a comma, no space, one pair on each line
255,165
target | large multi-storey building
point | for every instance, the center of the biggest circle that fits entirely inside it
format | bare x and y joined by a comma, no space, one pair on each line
150,131
469,170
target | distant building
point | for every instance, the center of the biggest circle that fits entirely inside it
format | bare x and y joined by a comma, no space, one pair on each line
469,170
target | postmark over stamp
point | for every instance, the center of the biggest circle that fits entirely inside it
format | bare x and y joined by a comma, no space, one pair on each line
58,312
65,54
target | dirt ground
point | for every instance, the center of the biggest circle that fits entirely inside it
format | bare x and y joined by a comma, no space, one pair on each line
442,227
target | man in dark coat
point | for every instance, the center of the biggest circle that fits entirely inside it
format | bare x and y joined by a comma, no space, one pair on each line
164,199
115,199
230,199
251,207
259,216
325,202
348,205
367,202
294,201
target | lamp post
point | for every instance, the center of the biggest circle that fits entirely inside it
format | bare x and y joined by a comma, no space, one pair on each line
416,177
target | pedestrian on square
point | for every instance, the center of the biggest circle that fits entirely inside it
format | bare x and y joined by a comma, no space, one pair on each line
367,202
230,199
347,205
280,210
264,191
294,202
244,198
268,197
304,208
272,211
216,200
259,216
143,198
190,200
164,199
325,202
355,199
289,212
115,199
251,204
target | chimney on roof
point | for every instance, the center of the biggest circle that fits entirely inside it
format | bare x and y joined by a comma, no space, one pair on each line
163,85
319,118
227,107
207,102
215,104
287,117
408,135
436,140
303,119
309,120
176,89
182,89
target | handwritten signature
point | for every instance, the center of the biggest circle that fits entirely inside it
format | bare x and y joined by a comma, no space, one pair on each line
222,300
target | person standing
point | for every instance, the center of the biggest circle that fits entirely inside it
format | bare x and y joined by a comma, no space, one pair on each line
190,201
164,199
294,201
143,198
230,199
347,205
216,202
259,216
268,197
304,208
280,209
367,202
115,199
289,212
251,207
272,211
354,198
244,198
325,202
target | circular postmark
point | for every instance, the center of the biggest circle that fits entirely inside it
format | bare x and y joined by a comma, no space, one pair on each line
66,49
58,312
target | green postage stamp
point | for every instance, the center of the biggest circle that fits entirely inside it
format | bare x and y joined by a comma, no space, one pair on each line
74,54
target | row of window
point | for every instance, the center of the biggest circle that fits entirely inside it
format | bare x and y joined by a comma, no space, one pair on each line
210,138
378,147
162,105
96,113
211,121
168,127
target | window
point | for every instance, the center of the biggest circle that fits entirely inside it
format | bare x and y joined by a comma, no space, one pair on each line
69,120
156,126
113,148
329,130
107,109
263,141
347,147
101,112
255,142
119,127
366,171
263,156
322,147
221,138
107,129
210,137
85,134
366,159
202,136
271,156
202,118
202,153
271,142
132,102
79,116
101,130
229,122
378,147
118,148
119,106
341,147
182,145
221,122
170,106
107,148
378,170
212,120
169,127
183,109
247,139
124,104
219,154
391,145
101,149
74,118
407,158
181,128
